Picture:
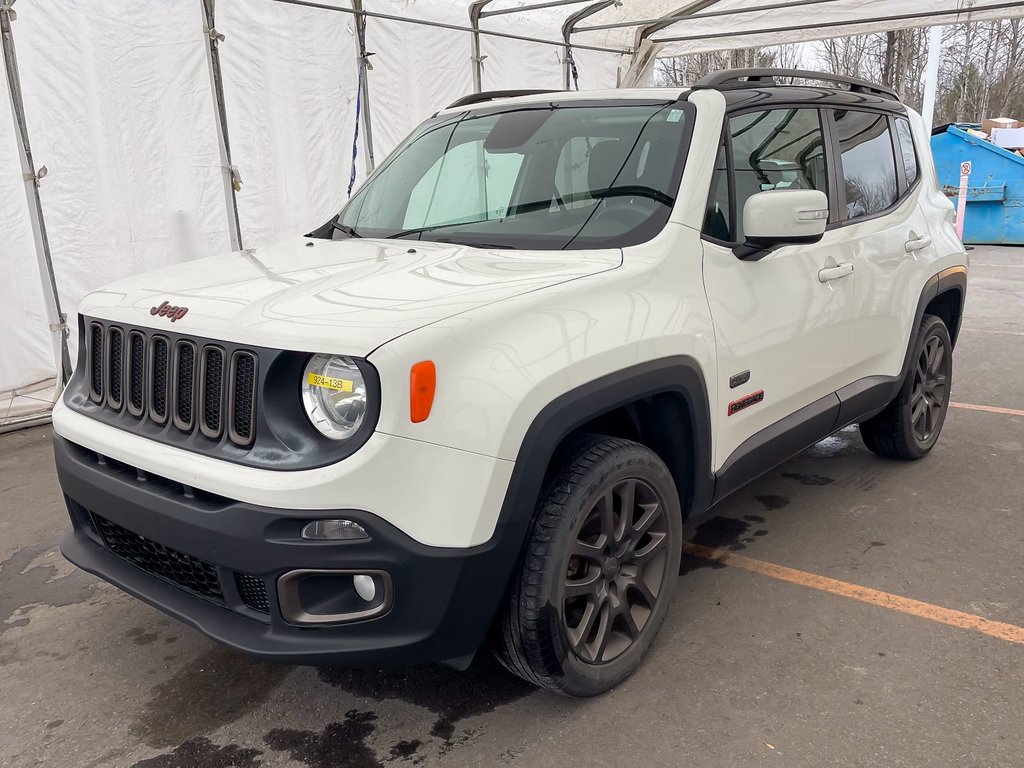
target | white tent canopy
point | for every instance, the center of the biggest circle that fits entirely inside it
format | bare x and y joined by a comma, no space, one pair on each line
677,27
122,104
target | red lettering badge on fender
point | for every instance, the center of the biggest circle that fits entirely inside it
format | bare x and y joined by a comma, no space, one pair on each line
745,402
166,310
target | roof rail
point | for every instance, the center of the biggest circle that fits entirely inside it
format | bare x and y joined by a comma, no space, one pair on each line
740,78
477,98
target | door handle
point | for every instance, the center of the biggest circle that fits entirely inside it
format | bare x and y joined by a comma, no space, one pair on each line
834,273
917,244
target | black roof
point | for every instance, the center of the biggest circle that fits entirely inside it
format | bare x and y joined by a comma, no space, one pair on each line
752,96
752,87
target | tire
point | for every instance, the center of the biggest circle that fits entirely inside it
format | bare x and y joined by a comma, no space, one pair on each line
909,426
576,579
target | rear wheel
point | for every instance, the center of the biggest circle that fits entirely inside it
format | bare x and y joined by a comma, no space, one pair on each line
598,573
909,426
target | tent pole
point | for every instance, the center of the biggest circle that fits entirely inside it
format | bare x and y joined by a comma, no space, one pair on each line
454,27
229,172
528,8
58,320
568,27
931,75
477,60
362,59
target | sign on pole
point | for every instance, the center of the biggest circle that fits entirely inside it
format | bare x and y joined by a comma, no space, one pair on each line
961,200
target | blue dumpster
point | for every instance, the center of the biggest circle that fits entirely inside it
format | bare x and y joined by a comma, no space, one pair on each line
995,193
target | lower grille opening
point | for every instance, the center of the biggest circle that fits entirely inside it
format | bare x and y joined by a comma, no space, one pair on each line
253,592
185,571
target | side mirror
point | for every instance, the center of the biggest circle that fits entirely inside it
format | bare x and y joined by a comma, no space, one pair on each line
782,217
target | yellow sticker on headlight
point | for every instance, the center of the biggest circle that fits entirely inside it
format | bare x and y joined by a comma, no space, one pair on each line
328,382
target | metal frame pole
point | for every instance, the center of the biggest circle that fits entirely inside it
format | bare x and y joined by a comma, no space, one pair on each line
476,57
230,174
454,27
534,7
363,64
51,298
949,16
568,27
931,76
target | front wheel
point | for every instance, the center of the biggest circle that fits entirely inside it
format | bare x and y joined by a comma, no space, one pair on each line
909,426
598,573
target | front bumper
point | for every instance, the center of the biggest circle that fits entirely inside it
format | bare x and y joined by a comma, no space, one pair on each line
443,598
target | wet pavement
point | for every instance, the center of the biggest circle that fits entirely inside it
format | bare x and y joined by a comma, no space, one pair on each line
748,669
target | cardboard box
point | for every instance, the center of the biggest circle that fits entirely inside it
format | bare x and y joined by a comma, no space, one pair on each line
1008,138
990,124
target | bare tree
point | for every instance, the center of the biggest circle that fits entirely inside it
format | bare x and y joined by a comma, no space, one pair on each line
981,70
684,70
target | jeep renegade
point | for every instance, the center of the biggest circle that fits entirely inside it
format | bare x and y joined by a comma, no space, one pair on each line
477,405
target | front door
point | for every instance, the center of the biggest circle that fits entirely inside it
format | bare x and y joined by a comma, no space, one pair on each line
782,324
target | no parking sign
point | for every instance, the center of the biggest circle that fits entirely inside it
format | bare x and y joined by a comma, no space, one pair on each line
961,199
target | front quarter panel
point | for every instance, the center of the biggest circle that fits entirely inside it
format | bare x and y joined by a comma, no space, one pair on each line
499,366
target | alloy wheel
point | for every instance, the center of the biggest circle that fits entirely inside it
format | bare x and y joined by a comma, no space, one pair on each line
930,390
615,571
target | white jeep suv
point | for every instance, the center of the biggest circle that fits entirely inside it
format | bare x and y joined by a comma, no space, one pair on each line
478,404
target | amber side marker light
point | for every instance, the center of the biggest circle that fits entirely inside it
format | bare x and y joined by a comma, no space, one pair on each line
422,383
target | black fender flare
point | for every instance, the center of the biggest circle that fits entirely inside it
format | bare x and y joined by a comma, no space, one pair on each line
680,374
951,279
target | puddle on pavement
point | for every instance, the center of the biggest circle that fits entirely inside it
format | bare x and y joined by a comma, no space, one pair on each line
25,582
200,752
339,745
213,690
451,695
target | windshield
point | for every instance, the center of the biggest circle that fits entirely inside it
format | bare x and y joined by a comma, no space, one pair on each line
543,176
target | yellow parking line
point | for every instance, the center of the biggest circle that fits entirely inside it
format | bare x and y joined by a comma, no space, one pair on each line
998,629
993,331
987,409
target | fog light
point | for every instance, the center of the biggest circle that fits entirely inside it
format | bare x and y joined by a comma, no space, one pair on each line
335,530
365,587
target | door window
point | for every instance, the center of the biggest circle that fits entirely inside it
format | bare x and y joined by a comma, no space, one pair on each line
869,167
776,149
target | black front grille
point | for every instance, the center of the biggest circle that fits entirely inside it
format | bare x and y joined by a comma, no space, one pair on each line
158,402
253,592
242,397
198,387
96,361
187,572
213,390
115,376
184,383
136,373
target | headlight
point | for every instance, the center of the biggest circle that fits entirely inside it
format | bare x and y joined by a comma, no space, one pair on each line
334,395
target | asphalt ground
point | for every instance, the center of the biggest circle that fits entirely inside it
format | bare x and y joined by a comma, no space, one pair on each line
843,610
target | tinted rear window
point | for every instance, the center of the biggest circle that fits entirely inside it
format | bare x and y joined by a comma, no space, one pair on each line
869,168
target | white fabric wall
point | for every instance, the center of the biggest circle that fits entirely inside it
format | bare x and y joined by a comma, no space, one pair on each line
26,353
120,110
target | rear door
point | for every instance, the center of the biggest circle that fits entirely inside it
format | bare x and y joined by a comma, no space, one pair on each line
781,331
888,233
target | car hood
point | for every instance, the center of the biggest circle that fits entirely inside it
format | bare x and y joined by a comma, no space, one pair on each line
342,296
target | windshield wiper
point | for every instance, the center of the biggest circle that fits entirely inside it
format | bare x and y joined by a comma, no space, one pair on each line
633,190
420,230
492,246
344,229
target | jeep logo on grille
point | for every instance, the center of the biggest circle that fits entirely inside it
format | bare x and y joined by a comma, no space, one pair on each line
166,310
